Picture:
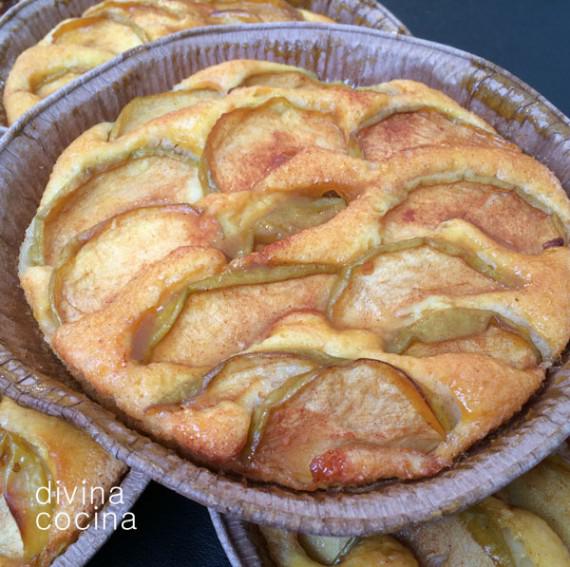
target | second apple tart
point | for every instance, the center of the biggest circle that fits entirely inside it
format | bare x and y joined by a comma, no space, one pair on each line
111,27
303,283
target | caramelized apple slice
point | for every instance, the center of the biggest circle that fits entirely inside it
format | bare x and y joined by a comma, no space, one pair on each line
277,397
545,491
283,80
251,11
98,263
381,550
482,523
446,324
512,536
364,404
11,543
153,326
244,379
372,293
268,218
294,215
154,180
152,20
22,473
291,550
99,32
224,398
326,550
500,213
247,143
142,109
232,374
56,80
496,341
490,534
448,542
422,128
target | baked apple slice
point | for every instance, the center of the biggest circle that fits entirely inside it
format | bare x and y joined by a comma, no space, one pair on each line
488,534
143,109
250,222
521,227
247,143
99,32
300,550
423,128
545,491
97,264
22,473
150,20
320,428
224,399
212,321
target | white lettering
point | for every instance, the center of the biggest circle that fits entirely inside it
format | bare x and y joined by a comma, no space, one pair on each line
38,520
128,522
116,495
62,517
40,491
82,524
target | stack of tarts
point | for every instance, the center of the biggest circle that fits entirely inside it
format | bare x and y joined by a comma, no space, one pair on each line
303,283
525,524
53,479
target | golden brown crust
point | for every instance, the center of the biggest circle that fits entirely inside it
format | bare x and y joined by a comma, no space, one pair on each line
357,234
74,461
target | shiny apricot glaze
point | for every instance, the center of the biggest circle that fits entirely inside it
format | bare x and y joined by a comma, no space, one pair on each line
303,283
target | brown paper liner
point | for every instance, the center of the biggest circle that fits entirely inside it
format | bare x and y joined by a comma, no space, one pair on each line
245,545
356,55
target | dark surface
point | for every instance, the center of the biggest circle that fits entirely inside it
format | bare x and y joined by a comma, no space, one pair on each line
528,37
171,530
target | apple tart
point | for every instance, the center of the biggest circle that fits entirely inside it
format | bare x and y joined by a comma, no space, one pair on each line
526,524
299,282
53,478
288,549
105,30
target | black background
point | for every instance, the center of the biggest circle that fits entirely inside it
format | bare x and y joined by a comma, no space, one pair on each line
531,38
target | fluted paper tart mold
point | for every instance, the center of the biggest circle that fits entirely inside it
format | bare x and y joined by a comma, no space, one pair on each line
526,521
342,512
32,20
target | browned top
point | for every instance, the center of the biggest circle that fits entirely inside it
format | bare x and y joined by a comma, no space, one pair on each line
304,283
